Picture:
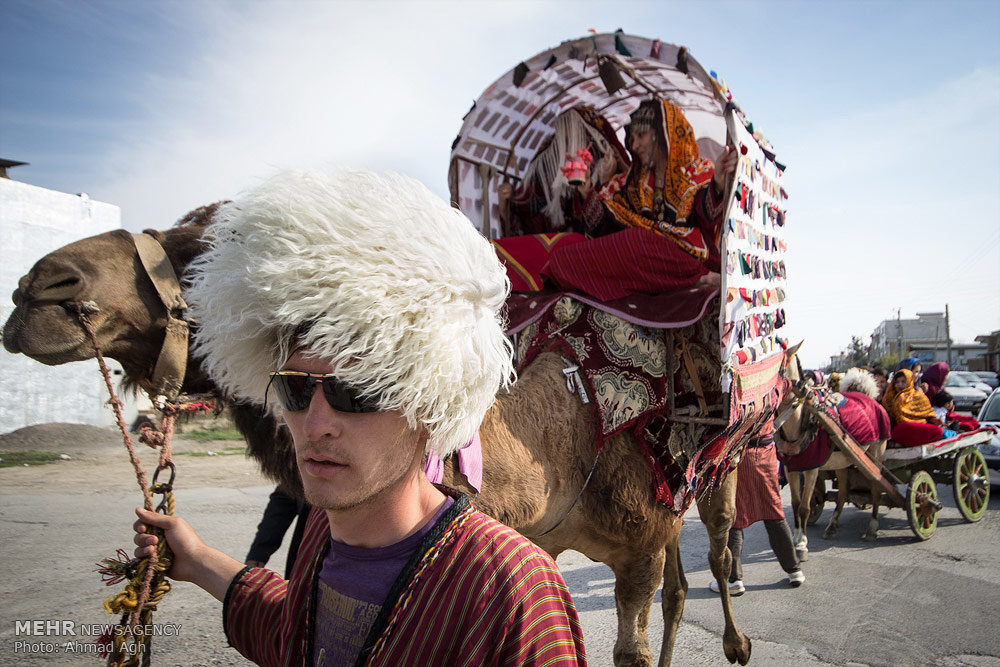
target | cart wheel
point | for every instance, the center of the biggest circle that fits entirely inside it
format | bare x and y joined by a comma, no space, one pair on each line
972,484
818,501
922,505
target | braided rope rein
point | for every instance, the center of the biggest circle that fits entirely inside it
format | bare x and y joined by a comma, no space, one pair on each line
147,583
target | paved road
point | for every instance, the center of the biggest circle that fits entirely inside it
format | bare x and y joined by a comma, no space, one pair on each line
895,602
892,602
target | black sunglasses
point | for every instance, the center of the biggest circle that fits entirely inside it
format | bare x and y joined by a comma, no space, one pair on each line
295,391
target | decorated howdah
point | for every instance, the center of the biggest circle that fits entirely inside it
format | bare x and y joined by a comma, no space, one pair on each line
632,203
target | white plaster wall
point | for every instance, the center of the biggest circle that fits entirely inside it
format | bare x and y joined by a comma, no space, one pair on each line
33,222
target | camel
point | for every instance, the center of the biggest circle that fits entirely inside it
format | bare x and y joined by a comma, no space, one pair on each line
798,432
537,440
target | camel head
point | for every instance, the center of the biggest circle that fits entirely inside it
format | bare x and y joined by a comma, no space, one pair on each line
106,270
130,322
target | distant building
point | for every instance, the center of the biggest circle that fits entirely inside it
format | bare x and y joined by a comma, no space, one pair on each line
7,164
990,361
899,337
964,356
838,362
33,222
925,338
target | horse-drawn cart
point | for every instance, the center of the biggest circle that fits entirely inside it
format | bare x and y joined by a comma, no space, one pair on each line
955,461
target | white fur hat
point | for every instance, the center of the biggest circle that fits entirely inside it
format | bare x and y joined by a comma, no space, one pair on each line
858,379
373,272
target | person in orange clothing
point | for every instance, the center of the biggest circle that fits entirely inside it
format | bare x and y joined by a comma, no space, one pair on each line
913,420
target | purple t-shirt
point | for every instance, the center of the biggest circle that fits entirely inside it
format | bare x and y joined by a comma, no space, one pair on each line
353,583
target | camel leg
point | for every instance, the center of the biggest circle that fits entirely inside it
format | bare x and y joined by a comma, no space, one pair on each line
842,484
876,452
675,588
636,578
796,482
717,513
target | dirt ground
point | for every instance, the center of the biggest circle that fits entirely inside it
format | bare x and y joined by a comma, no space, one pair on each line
99,456
59,519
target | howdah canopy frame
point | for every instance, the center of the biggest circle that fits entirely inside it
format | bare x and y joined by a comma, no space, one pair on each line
614,73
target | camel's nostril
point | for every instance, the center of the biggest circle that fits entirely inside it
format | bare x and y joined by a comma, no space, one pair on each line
56,286
62,284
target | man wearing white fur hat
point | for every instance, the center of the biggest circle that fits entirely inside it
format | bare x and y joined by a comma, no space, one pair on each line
367,310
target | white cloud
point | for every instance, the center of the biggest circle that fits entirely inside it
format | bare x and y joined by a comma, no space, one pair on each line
335,83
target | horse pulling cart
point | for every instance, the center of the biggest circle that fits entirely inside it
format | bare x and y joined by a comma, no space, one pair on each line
955,461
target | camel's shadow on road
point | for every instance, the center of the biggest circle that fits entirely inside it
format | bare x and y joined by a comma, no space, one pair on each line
592,587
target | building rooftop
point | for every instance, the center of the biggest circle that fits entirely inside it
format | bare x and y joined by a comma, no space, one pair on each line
6,164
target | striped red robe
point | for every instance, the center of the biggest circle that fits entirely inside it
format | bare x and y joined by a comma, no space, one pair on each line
475,593
758,497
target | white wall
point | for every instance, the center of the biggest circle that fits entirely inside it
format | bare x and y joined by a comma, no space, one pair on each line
33,222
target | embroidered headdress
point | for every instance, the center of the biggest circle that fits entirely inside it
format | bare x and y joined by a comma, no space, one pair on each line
374,273
644,118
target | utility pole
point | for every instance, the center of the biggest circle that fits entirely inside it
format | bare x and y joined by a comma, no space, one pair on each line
947,332
937,337
899,336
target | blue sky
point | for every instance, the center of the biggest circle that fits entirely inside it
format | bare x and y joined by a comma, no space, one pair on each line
886,113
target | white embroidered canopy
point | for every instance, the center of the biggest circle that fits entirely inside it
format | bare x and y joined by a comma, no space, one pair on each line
516,114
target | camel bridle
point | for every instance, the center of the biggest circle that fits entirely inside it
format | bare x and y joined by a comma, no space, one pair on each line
146,576
171,364
809,425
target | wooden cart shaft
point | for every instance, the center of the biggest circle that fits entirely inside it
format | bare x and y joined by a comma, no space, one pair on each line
846,444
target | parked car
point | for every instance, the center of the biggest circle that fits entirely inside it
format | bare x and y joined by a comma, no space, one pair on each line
989,377
967,399
989,415
974,381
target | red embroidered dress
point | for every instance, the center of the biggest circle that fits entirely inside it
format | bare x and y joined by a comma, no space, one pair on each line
758,497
